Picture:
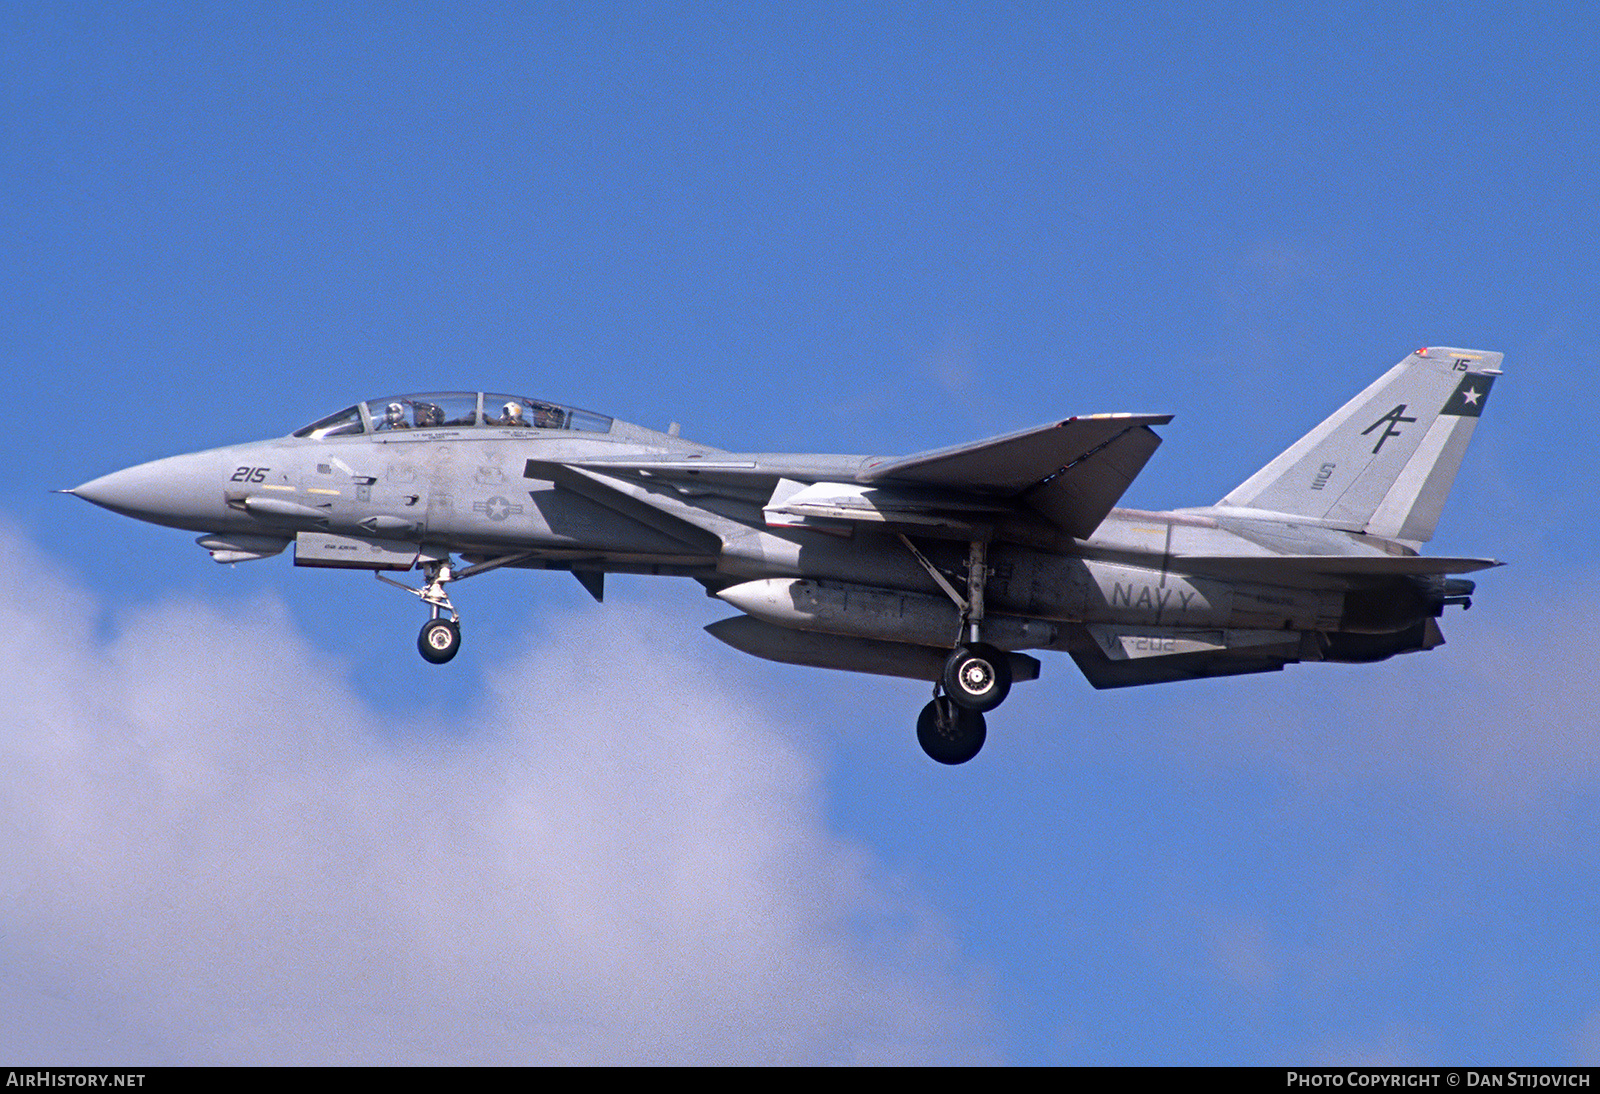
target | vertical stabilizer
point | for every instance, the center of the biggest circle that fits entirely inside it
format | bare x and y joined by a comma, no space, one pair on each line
1384,462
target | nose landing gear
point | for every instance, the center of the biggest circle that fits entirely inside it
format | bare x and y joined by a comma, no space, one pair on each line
440,639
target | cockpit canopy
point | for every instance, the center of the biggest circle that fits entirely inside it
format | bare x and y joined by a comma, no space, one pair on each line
454,410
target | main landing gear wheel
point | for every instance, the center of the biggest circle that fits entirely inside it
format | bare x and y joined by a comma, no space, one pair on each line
950,734
977,677
439,641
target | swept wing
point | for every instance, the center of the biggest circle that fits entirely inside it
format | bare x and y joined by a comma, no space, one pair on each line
1069,472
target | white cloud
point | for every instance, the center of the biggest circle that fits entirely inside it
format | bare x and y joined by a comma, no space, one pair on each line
214,850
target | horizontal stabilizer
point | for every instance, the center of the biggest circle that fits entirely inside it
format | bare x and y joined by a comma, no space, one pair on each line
1071,472
1125,643
1122,657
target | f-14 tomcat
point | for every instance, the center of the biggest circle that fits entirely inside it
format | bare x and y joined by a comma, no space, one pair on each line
940,566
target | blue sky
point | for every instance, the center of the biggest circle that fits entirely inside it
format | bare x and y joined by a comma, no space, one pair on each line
851,228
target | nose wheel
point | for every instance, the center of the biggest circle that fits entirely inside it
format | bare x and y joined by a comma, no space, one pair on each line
439,641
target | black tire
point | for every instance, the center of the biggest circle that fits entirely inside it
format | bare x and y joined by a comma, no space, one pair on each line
949,734
977,677
439,641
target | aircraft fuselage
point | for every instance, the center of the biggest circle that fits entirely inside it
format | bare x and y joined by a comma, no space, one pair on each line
942,566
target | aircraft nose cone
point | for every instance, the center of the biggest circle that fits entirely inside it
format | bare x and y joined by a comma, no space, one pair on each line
182,491
120,491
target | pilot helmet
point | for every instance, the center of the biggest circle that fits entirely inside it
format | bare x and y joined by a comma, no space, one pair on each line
395,411
513,411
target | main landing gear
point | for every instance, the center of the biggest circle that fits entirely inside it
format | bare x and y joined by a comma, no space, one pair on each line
976,676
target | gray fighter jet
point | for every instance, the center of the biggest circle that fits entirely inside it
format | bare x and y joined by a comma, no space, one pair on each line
941,566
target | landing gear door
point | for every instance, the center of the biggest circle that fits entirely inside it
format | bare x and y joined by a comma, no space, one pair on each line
323,549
